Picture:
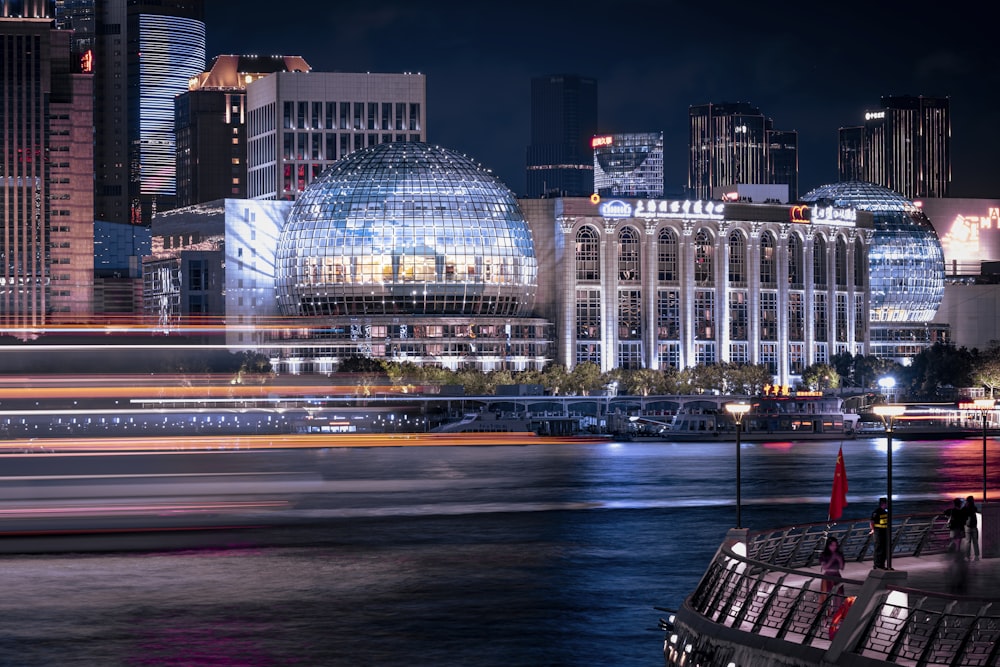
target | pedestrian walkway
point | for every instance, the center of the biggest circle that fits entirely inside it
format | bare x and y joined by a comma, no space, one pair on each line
936,573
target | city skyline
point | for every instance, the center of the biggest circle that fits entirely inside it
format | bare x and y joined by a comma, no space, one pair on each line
652,61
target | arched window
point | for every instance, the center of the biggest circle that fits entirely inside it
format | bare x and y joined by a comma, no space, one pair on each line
819,261
860,264
628,254
737,259
704,258
588,254
841,263
768,264
795,266
666,256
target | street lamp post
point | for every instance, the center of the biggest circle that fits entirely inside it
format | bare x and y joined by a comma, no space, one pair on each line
737,410
888,413
984,406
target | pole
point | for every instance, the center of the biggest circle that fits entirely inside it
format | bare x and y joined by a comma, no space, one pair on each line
739,504
984,456
888,497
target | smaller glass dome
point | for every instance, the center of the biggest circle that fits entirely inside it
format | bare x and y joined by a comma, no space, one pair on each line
905,259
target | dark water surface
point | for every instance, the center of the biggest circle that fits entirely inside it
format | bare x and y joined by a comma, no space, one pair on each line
548,555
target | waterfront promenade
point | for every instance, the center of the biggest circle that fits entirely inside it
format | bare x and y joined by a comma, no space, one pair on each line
760,602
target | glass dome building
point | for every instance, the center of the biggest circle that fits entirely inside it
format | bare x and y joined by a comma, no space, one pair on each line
906,262
406,229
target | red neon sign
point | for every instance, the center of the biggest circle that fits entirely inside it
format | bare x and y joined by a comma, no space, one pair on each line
87,62
601,141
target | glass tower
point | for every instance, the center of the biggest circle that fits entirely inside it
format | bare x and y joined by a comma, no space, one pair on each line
904,146
628,165
563,122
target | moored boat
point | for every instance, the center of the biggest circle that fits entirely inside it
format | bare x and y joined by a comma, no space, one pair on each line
792,417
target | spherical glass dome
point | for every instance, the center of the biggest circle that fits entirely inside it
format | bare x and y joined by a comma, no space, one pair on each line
406,228
905,260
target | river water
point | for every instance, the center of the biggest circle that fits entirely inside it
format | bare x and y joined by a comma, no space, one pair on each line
541,555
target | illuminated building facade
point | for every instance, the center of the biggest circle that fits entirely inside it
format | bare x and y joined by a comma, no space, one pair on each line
733,144
144,53
410,252
210,122
300,123
905,146
659,283
906,267
969,230
628,165
402,251
119,248
560,160
46,191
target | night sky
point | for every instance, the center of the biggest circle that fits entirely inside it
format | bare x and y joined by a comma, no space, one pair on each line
812,72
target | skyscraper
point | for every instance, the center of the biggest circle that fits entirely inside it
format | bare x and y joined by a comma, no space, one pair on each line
560,160
144,53
46,183
905,146
299,123
628,165
210,121
735,144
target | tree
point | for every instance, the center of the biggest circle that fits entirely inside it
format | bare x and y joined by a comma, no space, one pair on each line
987,371
937,367
255,368
555,377
820,377
585,378
642,382
359,364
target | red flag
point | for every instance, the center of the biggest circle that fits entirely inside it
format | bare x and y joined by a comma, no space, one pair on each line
838,499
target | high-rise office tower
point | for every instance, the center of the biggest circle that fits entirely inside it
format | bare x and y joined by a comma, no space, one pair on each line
905,146
210,121
735,144
560,159
46,183
144,54
628,165
299,123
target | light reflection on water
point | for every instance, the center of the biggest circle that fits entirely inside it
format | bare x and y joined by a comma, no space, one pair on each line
442,556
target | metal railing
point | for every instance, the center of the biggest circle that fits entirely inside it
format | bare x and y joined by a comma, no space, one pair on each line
800,547
771,595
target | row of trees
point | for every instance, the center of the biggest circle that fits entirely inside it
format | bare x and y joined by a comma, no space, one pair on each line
935,374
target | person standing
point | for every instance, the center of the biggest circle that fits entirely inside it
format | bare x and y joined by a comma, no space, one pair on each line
971,528
831,563
956,525
880,531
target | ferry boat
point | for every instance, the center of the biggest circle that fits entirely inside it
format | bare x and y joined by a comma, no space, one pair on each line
793,417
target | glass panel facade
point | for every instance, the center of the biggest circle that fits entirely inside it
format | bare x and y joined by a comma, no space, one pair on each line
381,232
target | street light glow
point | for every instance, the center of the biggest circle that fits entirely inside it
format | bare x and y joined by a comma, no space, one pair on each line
737,410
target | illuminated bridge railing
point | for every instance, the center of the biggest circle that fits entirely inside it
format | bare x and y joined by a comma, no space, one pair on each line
779,602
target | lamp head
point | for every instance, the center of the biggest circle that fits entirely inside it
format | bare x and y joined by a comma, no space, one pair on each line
737,410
